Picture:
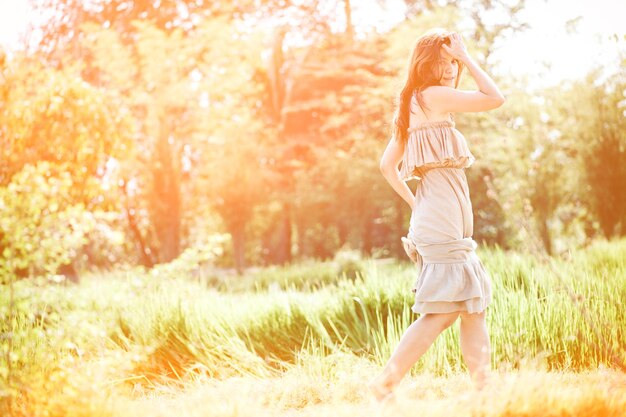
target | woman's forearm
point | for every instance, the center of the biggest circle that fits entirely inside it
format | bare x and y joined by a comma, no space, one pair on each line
484,81
393,178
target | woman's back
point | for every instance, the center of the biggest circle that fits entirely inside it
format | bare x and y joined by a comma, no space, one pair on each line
418,117
432,142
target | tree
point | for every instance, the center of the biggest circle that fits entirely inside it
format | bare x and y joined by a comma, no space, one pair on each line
41,229
190,95
155,63
601,147
326,100
58,135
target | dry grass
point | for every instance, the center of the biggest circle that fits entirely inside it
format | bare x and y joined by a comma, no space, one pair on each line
296,393
334,386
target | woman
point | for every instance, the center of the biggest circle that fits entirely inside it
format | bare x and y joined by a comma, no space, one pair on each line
452,281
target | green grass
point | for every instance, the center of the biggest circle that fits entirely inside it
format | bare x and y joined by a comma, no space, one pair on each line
131,331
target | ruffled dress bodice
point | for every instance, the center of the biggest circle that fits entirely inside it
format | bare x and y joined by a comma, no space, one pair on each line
434,145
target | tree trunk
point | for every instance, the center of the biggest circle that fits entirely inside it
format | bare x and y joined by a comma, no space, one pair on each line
300,236
342,231
69,272
546,238
239,253
348,9
366,244
146,253
166,199
284,236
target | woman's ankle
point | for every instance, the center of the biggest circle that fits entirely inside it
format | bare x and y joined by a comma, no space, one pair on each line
392,376
481,379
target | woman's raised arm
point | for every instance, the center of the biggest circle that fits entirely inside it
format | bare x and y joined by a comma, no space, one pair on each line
446,99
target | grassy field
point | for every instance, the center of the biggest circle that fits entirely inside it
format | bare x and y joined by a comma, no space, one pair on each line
304,340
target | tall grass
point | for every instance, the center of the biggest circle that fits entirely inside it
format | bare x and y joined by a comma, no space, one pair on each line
136,330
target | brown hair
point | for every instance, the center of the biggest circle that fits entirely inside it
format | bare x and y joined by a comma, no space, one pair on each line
423,72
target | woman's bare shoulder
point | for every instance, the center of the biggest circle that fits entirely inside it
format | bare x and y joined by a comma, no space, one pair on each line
431,96
433,91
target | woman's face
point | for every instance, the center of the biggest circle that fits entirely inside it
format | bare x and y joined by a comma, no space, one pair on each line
448,68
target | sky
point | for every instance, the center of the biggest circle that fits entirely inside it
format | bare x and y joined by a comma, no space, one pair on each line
546,50
13,20
570,55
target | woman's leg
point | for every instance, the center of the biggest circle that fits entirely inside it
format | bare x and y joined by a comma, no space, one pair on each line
415,341
476,347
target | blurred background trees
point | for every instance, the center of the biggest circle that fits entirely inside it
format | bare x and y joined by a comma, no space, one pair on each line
144,130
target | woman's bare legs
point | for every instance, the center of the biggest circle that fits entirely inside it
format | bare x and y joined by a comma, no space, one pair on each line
415,341
476,347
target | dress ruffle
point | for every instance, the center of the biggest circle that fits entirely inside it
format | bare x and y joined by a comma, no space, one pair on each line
467,287
432,145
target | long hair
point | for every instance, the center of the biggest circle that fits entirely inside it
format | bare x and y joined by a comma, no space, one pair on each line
423,72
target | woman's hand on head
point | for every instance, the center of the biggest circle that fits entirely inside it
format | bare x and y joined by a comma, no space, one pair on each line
457,47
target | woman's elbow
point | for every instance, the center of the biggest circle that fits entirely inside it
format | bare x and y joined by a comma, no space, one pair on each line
495,102
386,170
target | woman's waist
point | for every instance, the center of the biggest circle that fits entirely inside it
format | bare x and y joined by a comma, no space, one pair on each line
419,170
453,164
456,165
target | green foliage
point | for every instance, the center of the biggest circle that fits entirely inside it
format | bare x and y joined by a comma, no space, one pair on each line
61,139
39,228
602,152
350,264
192,259
302,276
53,115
